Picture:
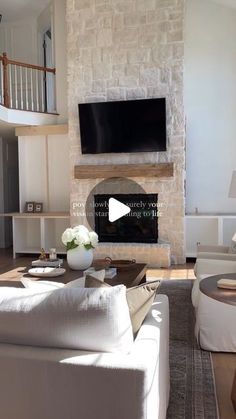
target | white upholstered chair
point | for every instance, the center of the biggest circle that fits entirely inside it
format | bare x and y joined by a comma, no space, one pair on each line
215,321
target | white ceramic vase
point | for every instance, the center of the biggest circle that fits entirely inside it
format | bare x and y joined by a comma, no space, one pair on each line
79,258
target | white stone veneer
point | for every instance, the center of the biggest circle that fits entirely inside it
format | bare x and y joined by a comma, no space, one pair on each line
131,49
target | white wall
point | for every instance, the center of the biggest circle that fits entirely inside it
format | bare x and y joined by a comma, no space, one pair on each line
60,53
54,16
44,22
210,105
19,40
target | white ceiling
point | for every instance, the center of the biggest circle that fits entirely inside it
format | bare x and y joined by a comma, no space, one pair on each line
12,10
227,3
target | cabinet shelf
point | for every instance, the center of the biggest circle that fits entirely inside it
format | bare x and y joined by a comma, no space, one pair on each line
44,177
36,231
38,214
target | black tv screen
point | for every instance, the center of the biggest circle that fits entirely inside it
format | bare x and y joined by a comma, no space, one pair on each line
123,126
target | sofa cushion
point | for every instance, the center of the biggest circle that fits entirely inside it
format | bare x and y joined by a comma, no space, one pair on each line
139,299
75,318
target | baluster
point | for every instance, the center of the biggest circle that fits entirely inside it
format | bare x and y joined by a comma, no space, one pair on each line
21,90
32,89
42,91
26,89
16,92
37,90
10,85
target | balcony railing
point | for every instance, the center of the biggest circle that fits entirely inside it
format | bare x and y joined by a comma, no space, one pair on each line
26,87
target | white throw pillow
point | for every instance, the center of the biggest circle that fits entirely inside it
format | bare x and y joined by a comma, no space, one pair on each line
76,318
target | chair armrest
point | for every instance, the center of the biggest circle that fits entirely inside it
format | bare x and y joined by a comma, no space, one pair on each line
212,249
214,266
217,256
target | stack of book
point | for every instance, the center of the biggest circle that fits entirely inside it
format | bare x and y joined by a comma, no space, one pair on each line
39,263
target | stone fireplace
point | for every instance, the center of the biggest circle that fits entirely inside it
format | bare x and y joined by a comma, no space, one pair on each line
121,50
139,226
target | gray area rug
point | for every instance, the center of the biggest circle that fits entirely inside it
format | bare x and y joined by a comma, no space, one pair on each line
192,393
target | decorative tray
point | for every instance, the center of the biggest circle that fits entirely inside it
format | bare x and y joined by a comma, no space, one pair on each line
102,263
123,263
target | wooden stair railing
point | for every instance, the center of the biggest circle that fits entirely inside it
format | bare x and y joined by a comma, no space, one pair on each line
26,86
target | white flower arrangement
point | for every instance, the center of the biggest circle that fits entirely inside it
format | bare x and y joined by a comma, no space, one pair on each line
79,236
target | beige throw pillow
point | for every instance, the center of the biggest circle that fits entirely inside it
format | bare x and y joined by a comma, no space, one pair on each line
139,299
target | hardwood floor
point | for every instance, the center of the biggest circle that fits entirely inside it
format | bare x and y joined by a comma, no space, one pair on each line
224,364
174,272
224,367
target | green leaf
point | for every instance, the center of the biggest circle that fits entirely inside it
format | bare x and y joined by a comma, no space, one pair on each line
88,246
71,245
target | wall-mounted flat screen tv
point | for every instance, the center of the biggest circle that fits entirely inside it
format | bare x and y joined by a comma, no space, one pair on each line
123,127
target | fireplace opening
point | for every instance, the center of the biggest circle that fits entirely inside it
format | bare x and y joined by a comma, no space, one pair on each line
139,226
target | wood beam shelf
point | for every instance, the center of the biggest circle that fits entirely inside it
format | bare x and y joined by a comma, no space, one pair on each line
157,170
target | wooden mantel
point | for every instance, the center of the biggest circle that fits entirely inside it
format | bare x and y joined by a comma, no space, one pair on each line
157,170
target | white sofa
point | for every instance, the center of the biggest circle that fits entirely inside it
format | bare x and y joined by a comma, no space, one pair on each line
43,383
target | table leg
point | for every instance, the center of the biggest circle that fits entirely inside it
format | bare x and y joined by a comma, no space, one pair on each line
233,394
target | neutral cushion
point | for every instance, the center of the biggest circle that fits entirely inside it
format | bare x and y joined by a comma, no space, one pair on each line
139,299
77,318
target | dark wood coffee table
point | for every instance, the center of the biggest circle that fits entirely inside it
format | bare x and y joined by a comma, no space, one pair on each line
208,286
10,274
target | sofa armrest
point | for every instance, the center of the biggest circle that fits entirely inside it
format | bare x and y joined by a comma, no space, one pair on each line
215,249
79,384
214,266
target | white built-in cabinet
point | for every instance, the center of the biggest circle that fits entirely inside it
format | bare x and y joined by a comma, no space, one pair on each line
215,229
44,176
